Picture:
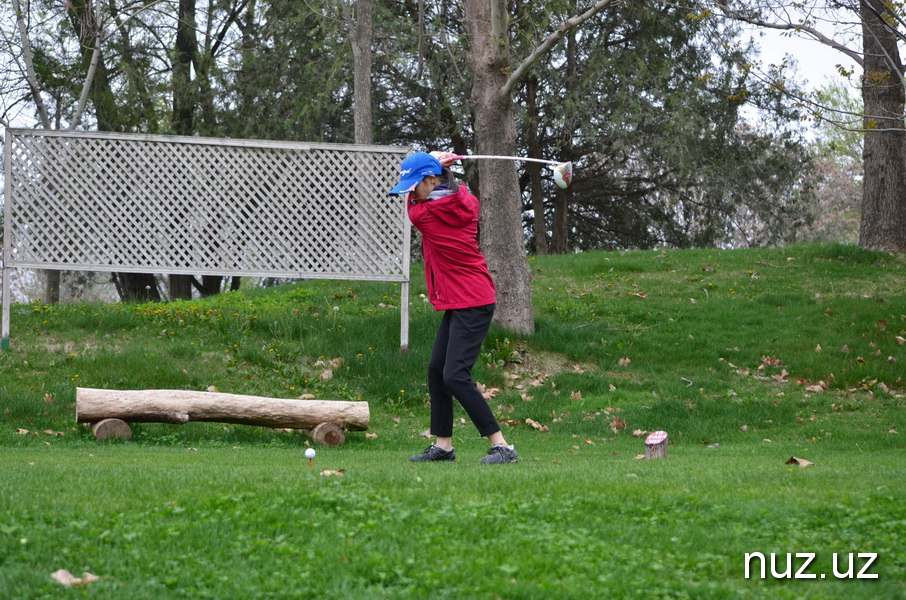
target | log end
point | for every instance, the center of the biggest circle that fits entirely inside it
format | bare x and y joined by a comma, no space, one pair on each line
111,429
328,434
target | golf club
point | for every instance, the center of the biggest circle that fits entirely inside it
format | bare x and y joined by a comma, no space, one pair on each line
563,172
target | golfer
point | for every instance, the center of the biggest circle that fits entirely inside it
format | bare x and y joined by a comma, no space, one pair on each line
459,284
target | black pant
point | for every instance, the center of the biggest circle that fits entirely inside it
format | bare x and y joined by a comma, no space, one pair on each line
456,348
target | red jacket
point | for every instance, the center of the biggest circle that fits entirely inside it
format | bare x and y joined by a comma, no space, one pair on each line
455,269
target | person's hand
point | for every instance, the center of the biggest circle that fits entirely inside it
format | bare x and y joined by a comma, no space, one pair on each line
445,158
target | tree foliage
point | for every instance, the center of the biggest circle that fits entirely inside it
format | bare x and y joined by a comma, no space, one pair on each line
644,98
871,34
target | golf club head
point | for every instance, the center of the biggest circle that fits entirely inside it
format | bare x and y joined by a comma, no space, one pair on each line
563,175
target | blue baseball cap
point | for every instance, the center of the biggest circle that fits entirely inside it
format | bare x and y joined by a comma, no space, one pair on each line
415,168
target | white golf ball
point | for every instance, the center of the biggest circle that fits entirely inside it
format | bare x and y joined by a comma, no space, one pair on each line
310,453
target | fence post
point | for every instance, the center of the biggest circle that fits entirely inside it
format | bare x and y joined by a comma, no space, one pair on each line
7,243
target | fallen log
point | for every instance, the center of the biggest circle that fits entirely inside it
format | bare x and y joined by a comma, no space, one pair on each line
182,406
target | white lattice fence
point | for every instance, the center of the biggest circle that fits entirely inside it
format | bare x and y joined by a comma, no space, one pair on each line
202,206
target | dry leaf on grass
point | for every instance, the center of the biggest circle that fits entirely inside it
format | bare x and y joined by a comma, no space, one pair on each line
332,473
770,361
539,426
370,436
818,387
624,362
487,392
332,364
617,424
64,577
799,461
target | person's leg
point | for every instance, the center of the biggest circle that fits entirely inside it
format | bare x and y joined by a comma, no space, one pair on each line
441,398
467,331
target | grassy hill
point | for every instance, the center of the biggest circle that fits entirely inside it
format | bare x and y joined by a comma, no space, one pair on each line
746,358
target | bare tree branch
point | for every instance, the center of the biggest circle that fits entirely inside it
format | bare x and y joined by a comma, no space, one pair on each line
30,66
92,68
549,43
799,28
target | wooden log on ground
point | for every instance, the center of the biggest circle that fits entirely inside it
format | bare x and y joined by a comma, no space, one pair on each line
182,406
656,445
111,429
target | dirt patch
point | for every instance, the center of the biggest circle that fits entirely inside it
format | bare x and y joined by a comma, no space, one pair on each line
539,366
84,345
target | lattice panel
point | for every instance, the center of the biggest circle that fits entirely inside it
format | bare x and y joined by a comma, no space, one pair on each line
205,206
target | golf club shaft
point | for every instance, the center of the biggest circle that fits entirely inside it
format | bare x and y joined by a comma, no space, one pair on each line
489,156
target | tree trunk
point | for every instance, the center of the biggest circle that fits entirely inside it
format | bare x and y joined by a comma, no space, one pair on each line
211,285
502,237
130,286
102,96
136,287
183,119
184,95
539,223
180,287
360,37
883,225
656,445
52,286
183,406
560,228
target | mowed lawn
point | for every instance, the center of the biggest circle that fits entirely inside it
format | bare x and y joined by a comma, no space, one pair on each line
747,359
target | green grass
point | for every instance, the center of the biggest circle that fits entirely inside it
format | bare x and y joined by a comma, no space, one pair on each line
719,348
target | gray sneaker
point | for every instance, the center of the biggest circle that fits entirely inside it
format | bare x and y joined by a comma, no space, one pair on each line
433,453
500,454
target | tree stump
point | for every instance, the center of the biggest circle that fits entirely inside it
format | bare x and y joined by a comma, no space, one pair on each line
328,434
656,445
111,429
